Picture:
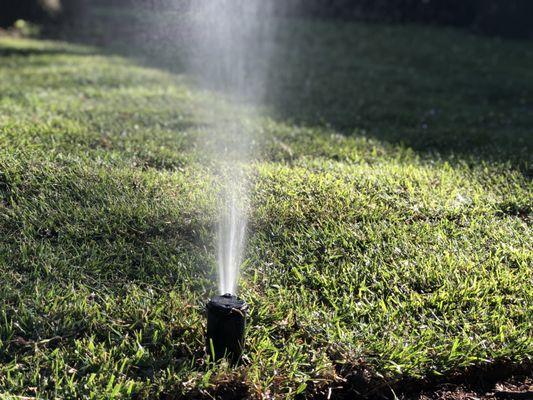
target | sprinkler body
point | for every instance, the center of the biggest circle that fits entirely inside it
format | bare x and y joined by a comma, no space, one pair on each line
226,321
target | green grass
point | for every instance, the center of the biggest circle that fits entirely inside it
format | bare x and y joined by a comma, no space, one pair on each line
375,244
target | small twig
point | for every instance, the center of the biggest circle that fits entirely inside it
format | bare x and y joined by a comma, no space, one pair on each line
23,342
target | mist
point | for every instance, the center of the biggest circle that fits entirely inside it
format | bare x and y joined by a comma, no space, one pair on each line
231,46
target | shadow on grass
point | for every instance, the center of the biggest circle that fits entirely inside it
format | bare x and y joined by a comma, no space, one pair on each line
430,89
28,52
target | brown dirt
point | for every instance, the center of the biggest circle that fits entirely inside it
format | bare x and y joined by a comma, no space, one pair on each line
516,388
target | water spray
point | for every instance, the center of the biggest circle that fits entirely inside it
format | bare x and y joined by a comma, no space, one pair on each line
230,44
226,322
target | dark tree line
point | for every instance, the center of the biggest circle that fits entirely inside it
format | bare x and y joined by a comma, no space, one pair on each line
39,11
511,18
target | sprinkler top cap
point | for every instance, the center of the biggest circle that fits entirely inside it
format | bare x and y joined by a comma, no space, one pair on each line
226,304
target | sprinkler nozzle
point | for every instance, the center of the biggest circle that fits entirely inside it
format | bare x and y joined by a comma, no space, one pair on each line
226,321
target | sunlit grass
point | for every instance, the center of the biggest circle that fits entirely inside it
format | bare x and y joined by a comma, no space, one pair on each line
362,253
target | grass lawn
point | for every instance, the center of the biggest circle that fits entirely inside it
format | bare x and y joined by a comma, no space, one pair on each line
390,232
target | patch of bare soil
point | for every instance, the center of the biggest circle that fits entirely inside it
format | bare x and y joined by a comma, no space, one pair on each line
516,388
500,380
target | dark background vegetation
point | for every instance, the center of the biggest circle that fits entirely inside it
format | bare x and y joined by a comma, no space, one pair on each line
507,18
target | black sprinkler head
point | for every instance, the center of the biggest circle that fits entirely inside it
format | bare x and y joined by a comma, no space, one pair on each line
226,321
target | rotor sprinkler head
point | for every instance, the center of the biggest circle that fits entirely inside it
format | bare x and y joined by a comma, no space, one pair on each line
226,321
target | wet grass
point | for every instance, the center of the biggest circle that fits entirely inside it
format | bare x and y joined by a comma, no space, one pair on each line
369,261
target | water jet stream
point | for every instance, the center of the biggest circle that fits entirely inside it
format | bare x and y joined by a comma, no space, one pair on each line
230,50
